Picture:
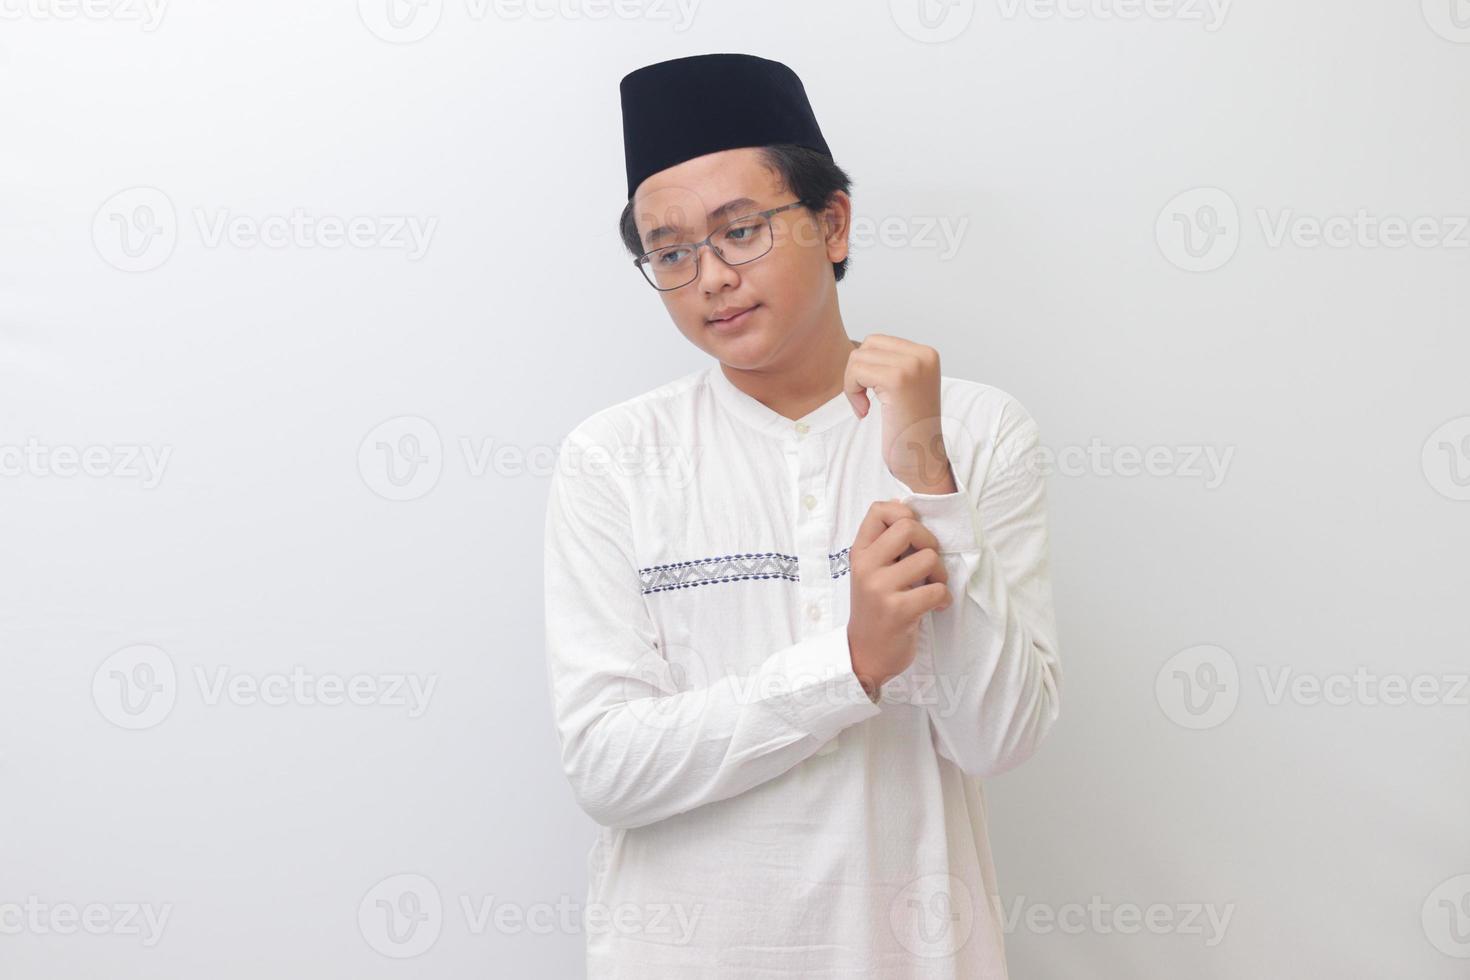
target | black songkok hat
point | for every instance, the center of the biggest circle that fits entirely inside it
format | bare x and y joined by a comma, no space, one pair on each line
681,109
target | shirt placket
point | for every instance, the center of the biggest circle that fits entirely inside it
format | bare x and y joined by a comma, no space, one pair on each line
813,533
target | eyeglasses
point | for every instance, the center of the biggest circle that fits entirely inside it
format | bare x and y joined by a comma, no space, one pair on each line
742,240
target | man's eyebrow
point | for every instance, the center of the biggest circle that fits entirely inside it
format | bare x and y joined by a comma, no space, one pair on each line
672,231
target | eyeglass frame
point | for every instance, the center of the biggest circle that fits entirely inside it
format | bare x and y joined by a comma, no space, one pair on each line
638,262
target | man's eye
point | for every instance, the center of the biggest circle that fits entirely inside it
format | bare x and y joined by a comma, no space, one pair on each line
673,256
740,234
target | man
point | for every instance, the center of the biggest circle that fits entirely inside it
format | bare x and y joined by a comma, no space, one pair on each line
791,625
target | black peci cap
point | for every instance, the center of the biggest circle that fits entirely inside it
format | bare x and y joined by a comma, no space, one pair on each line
681,109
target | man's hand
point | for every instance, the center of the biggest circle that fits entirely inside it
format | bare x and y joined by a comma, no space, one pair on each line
897,576
906,377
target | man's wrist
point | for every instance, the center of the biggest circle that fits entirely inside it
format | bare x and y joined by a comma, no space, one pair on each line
926,482
872,686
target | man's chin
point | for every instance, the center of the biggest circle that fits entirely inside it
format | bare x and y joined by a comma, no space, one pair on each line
748,349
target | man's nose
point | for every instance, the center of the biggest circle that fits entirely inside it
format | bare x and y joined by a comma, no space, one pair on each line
714,271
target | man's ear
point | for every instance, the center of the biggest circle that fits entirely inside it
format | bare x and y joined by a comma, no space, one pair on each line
837,222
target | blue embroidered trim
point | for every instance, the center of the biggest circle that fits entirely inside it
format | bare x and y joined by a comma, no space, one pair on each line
733,568
724,568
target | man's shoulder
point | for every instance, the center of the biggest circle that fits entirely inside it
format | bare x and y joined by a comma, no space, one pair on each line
625,421
986,409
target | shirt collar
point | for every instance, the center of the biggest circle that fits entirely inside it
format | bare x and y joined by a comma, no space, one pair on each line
758,416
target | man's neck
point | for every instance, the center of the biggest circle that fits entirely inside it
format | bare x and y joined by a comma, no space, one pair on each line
811,382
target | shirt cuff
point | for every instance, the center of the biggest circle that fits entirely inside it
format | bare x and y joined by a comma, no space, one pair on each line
826,694
948,515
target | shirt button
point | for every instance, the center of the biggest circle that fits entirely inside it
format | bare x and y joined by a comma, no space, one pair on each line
802,427
814,611
809,501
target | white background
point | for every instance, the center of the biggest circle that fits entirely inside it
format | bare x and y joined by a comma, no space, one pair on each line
1057,142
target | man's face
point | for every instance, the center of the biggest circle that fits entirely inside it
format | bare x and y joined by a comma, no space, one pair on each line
789,290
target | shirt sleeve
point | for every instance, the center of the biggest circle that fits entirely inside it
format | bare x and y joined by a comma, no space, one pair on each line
639,742
993,652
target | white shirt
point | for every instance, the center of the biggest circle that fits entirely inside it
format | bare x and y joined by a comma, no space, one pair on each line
761,816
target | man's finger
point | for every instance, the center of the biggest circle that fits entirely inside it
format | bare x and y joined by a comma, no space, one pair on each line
915,602
879,518
866,369
900,536
920,567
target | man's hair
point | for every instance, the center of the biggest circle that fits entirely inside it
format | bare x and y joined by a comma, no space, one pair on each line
809,176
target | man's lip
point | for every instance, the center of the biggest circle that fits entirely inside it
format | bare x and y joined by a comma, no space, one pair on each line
734,315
